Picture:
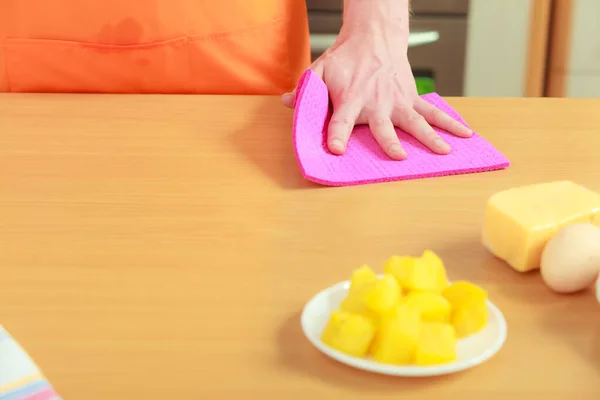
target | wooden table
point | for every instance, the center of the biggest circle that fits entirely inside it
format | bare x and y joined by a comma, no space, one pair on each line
162,248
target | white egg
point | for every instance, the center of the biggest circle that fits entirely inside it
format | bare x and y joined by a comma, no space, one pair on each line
571,259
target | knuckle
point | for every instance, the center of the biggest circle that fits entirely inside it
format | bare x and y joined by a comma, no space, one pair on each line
455,123
431,133
379,122
414,118
398,104
437,114
340,121
389,143
346,97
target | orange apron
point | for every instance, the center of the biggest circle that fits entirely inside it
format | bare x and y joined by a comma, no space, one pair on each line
153,46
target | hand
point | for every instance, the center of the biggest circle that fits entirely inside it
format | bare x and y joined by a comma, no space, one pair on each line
370,81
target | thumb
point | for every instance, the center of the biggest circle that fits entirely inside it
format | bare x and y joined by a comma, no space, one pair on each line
289,99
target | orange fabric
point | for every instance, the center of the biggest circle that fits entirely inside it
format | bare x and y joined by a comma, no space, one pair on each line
153,46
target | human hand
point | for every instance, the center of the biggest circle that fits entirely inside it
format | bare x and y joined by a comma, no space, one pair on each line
370,81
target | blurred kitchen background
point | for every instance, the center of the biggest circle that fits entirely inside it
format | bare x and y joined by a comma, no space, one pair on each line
492,48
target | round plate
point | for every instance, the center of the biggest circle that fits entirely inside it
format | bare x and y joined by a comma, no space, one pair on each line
471,351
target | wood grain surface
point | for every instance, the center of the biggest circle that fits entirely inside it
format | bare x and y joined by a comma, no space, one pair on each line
162,248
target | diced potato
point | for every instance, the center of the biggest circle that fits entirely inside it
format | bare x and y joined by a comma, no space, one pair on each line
396,339
362,276
432,307
383,295
374,298
411,315
425,273
469,307
429,273
436,344
462,291
354,303
470,317
437,265
349,333
401,268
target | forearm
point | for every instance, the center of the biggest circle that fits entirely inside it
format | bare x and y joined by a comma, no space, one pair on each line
390,15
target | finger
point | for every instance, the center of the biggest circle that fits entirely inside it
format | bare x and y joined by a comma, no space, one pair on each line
415,125
384,133
340,127
289,99
439,118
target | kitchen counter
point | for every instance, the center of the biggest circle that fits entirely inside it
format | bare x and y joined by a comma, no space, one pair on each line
162,248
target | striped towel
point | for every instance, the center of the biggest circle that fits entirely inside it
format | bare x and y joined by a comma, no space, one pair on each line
20,378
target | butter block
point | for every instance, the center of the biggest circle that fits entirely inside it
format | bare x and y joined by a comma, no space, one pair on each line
596,220
519,222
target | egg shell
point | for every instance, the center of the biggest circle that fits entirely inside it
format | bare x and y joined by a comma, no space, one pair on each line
571,259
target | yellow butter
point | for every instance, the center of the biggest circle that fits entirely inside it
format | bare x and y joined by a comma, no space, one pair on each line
519,222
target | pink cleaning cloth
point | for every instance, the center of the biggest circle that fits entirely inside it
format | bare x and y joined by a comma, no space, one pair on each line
364,161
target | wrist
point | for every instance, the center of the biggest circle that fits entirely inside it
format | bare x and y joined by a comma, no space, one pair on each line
377,15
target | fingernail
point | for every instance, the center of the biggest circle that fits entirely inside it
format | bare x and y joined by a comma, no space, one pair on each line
397,151
466,130
441,145
336,145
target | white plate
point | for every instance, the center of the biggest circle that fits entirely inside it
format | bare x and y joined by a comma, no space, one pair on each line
471,351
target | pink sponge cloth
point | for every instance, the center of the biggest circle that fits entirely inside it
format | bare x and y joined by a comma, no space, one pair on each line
364,161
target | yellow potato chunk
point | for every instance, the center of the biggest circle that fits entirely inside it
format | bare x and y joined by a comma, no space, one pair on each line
469,307
396,340
425,273
373,298
432,307
349,333
401,268
469,318
354,302
461,292
436,344
362,276
383,295
437,265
